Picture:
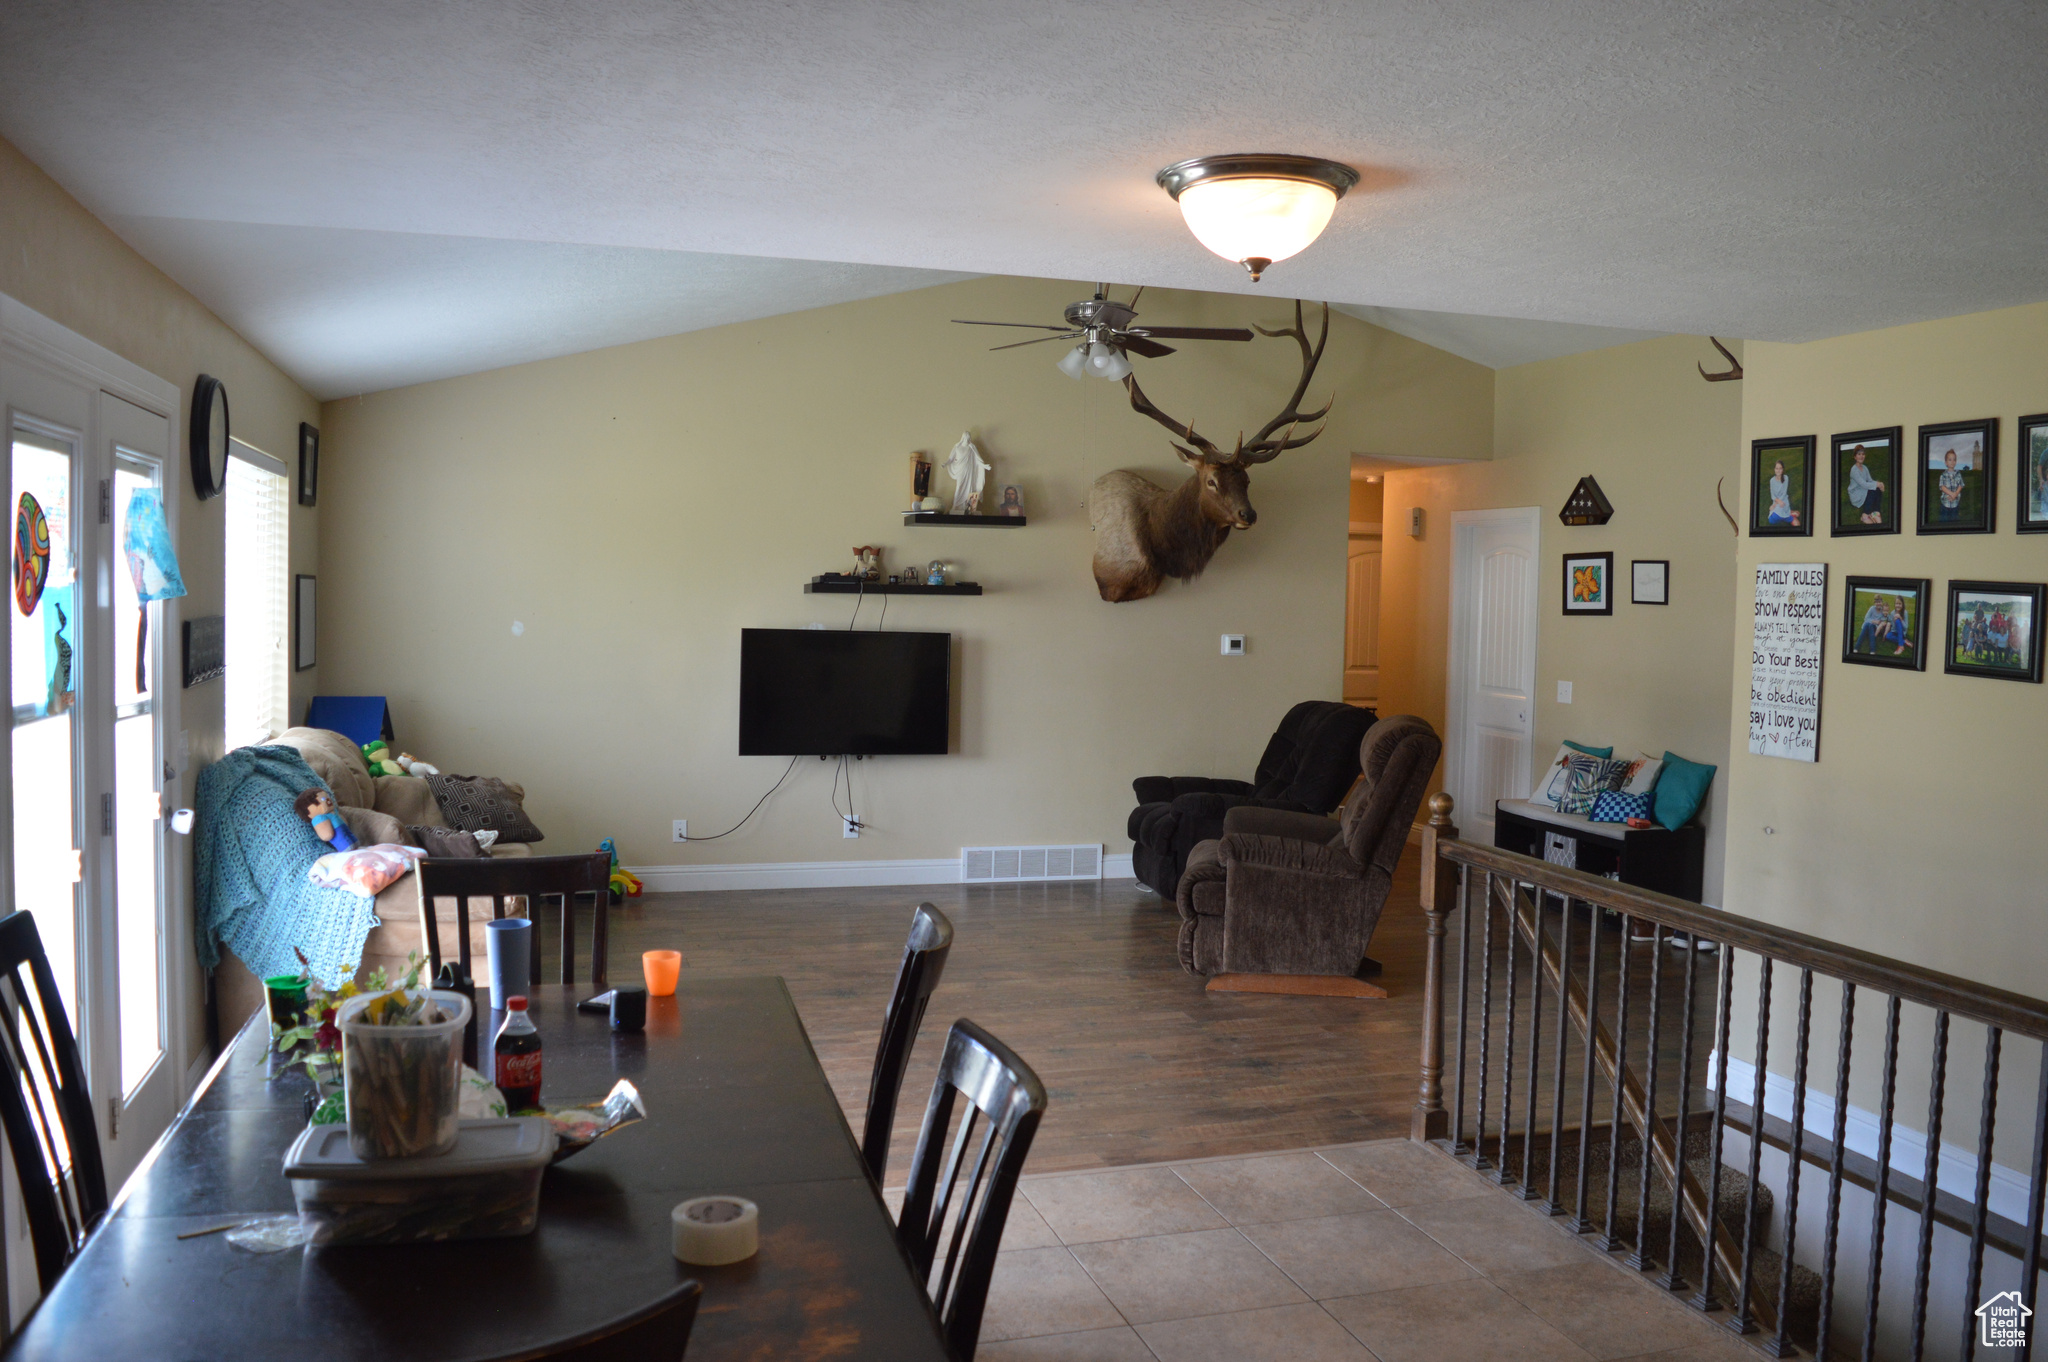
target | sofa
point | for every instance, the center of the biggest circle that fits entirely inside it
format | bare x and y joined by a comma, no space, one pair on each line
1293,894
376,809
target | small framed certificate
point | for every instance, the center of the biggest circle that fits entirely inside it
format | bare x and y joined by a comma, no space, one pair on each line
1650,581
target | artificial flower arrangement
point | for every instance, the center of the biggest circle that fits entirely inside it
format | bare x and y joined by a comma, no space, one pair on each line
319,1028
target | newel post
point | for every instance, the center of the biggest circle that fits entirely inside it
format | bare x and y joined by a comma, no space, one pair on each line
1439,893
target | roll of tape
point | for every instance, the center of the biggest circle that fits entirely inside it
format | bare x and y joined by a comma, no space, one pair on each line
713,1230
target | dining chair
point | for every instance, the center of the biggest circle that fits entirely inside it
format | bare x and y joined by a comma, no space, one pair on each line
924,960
528,877
659,1332
44,1106
1007,1096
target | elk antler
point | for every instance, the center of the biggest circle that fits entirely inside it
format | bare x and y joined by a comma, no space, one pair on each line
1734,369
1262,448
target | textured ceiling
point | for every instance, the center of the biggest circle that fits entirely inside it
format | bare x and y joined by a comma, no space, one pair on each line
1742,167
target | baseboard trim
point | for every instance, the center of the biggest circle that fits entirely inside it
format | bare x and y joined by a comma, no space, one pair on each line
684,879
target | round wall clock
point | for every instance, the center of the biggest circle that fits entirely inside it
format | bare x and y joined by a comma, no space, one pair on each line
209,437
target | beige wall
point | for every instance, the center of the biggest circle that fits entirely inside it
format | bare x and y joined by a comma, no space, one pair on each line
1649,678
635,508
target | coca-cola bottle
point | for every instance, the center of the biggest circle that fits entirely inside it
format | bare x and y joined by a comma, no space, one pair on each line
517,1058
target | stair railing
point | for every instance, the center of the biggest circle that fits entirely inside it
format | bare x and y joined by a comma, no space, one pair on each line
1540,926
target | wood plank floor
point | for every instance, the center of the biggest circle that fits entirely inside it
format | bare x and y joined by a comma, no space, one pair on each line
1141,1064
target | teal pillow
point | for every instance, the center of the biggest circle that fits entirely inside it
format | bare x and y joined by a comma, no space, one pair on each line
1601,752
1681,789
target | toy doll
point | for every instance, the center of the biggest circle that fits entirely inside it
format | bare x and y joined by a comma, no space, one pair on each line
316,806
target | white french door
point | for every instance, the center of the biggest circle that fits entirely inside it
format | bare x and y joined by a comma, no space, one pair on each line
86,738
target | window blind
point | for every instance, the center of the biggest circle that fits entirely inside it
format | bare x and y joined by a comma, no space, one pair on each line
258,599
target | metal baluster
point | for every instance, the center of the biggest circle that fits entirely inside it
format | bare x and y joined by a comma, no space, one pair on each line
2030,1265
1781,1346
1639,1257
1669,1278
1485,1022
1993,1037
1609,1240
1579,1224
1507,1048
1841,1131
1536,899
1740,1321
1888,1096
1564,981
1704,1298
1930,1180
1464,977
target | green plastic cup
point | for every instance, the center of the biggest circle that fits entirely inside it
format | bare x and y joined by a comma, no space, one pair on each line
287,994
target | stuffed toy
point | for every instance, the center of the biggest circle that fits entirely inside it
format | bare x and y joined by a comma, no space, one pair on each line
316,806
381,759
415,767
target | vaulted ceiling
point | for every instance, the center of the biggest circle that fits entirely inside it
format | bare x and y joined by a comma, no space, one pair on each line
383,191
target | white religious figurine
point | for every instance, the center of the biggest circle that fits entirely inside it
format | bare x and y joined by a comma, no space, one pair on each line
969,472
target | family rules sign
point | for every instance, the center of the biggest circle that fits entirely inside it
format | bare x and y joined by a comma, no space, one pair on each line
1784,660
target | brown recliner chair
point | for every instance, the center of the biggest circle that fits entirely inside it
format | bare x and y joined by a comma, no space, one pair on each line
1287,902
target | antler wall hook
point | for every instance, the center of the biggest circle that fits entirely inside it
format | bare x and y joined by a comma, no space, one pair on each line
1735,371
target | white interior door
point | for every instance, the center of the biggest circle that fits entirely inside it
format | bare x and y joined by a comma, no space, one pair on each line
1362,621
1492,672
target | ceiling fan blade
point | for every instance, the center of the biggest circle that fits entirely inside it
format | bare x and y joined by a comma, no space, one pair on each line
1034,326
1138,345
1229,333
1036,340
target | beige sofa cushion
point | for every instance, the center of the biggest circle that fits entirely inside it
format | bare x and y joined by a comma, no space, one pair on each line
335,760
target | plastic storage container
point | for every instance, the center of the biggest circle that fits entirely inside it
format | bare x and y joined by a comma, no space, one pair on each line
486,1187
402,1082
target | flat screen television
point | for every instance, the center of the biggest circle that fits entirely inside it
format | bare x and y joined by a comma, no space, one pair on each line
833,692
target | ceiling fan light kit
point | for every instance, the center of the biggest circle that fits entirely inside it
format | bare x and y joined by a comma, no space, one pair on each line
1255,209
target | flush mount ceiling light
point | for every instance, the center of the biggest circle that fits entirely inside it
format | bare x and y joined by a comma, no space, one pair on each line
1256,209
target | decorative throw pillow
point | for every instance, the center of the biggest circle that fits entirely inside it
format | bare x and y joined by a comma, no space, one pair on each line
1681,790
1552,787
1586,779
1642,775
1618,806
364,871
471,803
445,842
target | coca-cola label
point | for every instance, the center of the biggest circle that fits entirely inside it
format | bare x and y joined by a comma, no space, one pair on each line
519,1071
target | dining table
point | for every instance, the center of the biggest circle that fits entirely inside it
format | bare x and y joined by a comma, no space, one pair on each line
736,1102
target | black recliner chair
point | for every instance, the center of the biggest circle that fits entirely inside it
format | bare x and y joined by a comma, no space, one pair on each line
1308,767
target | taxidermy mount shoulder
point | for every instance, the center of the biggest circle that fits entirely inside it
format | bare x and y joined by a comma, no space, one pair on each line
1145,533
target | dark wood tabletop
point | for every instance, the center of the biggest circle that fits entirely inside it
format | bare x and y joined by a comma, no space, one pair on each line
736,1103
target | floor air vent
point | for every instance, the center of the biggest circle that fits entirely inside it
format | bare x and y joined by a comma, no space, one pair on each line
998,865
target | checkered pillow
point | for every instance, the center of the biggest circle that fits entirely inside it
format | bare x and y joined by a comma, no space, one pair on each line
1613,806
1589,778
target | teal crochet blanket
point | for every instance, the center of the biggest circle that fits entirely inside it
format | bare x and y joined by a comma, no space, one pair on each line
253,853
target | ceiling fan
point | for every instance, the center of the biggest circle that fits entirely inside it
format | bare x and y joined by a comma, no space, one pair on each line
1104,332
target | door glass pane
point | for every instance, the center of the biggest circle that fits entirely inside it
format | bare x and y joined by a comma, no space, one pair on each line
136,803
45,670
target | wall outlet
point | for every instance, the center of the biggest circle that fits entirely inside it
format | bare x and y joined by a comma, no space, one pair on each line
1564,692
849,825
680,831
1233,645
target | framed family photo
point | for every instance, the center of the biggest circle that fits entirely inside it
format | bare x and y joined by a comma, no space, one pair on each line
1781,486
1866,467
2033,475
1994,629
1589,584
1958,477
1884,622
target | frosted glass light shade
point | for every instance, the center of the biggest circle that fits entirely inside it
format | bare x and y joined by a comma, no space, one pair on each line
1106,361
1074,364
1257,218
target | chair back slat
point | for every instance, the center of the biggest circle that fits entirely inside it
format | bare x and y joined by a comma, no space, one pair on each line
45,1109
500,879
924,960
1003,1092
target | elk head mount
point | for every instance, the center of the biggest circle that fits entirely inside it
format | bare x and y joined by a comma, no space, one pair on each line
1145,533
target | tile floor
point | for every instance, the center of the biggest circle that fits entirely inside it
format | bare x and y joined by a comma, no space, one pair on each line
1386,1250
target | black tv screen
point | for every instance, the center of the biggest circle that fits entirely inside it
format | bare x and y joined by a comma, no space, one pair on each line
830,692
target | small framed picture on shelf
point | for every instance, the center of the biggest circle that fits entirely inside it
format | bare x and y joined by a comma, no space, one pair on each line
1781,486
1866,491
1994,629
1589,584
2033,475
1884,622
1959,477
1649,581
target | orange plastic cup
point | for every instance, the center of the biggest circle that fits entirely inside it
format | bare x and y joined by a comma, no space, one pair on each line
661,968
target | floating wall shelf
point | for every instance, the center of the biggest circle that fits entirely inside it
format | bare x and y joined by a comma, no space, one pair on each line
891,589
985,522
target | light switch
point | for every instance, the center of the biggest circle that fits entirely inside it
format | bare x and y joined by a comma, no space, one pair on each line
1233,645
1564,692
